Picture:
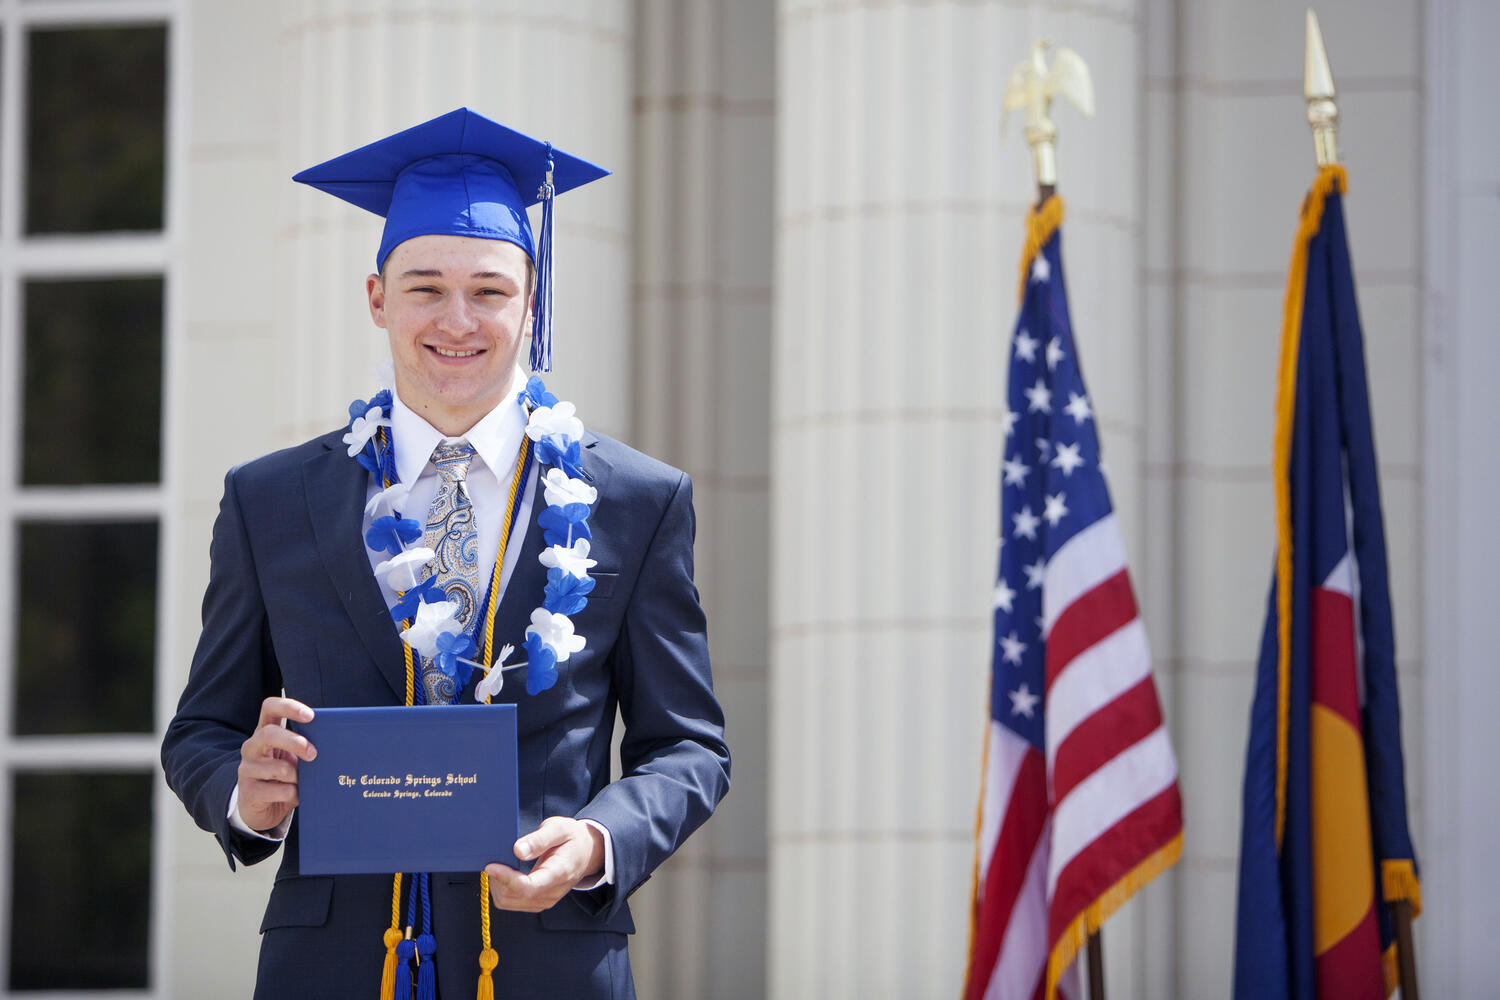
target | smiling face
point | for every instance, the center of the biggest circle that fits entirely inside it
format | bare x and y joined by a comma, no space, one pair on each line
456,309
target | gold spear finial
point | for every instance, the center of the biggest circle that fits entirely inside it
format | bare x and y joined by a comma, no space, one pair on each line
1317,87
1032,85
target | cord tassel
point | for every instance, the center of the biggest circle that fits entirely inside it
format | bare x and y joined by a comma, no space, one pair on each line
401,982
488,959
388,971
541,329
426,967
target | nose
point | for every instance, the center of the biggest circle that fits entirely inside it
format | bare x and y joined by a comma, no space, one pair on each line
457,316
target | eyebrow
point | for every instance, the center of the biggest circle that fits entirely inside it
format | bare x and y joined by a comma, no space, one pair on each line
434,273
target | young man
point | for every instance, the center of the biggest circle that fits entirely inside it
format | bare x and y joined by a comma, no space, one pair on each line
298,611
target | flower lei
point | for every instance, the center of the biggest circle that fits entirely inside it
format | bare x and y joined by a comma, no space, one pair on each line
557,433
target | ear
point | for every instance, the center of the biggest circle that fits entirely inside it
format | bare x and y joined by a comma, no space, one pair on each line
375,292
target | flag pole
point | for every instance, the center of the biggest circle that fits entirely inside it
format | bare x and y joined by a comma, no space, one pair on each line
1031,87
1323,116
1096,965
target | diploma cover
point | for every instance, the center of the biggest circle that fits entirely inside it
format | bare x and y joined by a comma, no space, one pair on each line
427,789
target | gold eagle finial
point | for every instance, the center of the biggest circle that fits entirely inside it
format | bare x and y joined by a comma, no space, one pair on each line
1032,86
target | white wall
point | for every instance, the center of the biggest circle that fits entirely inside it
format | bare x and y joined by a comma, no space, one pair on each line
1462,545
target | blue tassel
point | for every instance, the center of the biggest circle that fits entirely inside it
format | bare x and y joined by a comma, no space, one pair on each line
404,951
426,967
541,329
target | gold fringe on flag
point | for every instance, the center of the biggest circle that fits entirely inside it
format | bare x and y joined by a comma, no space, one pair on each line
1041,223
1331,179
1398,881
1076,936
984,770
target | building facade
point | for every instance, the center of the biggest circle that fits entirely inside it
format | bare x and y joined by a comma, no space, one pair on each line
798,286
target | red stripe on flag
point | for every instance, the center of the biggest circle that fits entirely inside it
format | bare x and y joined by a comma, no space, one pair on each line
1114,728
1095,615
1020,831
1331,624
1112,856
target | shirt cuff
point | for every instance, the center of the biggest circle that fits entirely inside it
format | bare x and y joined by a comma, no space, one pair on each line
606,877
279,831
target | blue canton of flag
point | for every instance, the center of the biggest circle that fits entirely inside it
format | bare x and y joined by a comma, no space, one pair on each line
1051,488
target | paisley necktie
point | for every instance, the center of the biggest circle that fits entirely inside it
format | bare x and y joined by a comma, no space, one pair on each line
453,537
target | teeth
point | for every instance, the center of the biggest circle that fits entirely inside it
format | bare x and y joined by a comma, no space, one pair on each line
454,354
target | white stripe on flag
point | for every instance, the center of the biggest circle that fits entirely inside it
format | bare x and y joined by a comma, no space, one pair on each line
1341,577
1107,796
1023,951
1086,560
1096,677
1007,751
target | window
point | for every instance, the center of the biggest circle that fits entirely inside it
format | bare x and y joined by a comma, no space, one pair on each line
85,92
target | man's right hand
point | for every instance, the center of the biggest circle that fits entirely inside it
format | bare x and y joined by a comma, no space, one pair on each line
268,764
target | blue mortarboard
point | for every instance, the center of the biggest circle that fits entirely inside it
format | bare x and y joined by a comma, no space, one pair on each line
461,174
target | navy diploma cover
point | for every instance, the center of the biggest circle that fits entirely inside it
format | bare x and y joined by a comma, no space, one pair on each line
426,789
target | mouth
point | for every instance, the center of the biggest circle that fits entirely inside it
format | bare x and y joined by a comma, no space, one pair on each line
447,353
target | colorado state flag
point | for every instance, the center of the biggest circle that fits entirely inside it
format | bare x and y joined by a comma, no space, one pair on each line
1324,847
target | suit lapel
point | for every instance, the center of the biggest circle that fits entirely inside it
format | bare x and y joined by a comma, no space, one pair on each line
336,486
523,592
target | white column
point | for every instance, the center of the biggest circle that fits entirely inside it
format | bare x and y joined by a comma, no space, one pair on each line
276,336
704,122
898,233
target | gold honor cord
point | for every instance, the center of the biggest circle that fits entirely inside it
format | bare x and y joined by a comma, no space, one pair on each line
488,958
394,935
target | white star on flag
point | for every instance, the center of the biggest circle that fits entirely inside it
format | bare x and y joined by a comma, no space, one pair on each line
1004,596
1026,346
1026,523
1008,422
1014,647
1016,471
1022,701
1040,269
1056,509
1054,353
1034,574
1078,408
1039,397
1043,445
1067,458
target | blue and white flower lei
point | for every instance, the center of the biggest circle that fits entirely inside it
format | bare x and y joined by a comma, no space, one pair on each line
435,632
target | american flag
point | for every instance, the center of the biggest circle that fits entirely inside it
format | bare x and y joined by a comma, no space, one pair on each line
1080,804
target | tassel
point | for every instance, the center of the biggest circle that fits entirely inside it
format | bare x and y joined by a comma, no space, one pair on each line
388,971
426,967
488,959
541,327
401,984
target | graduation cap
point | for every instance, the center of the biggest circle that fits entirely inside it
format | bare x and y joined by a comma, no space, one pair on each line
461,174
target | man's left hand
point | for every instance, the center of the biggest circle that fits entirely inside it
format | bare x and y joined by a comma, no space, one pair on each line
566,851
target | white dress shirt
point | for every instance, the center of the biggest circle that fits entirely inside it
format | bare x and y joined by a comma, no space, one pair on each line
496,440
